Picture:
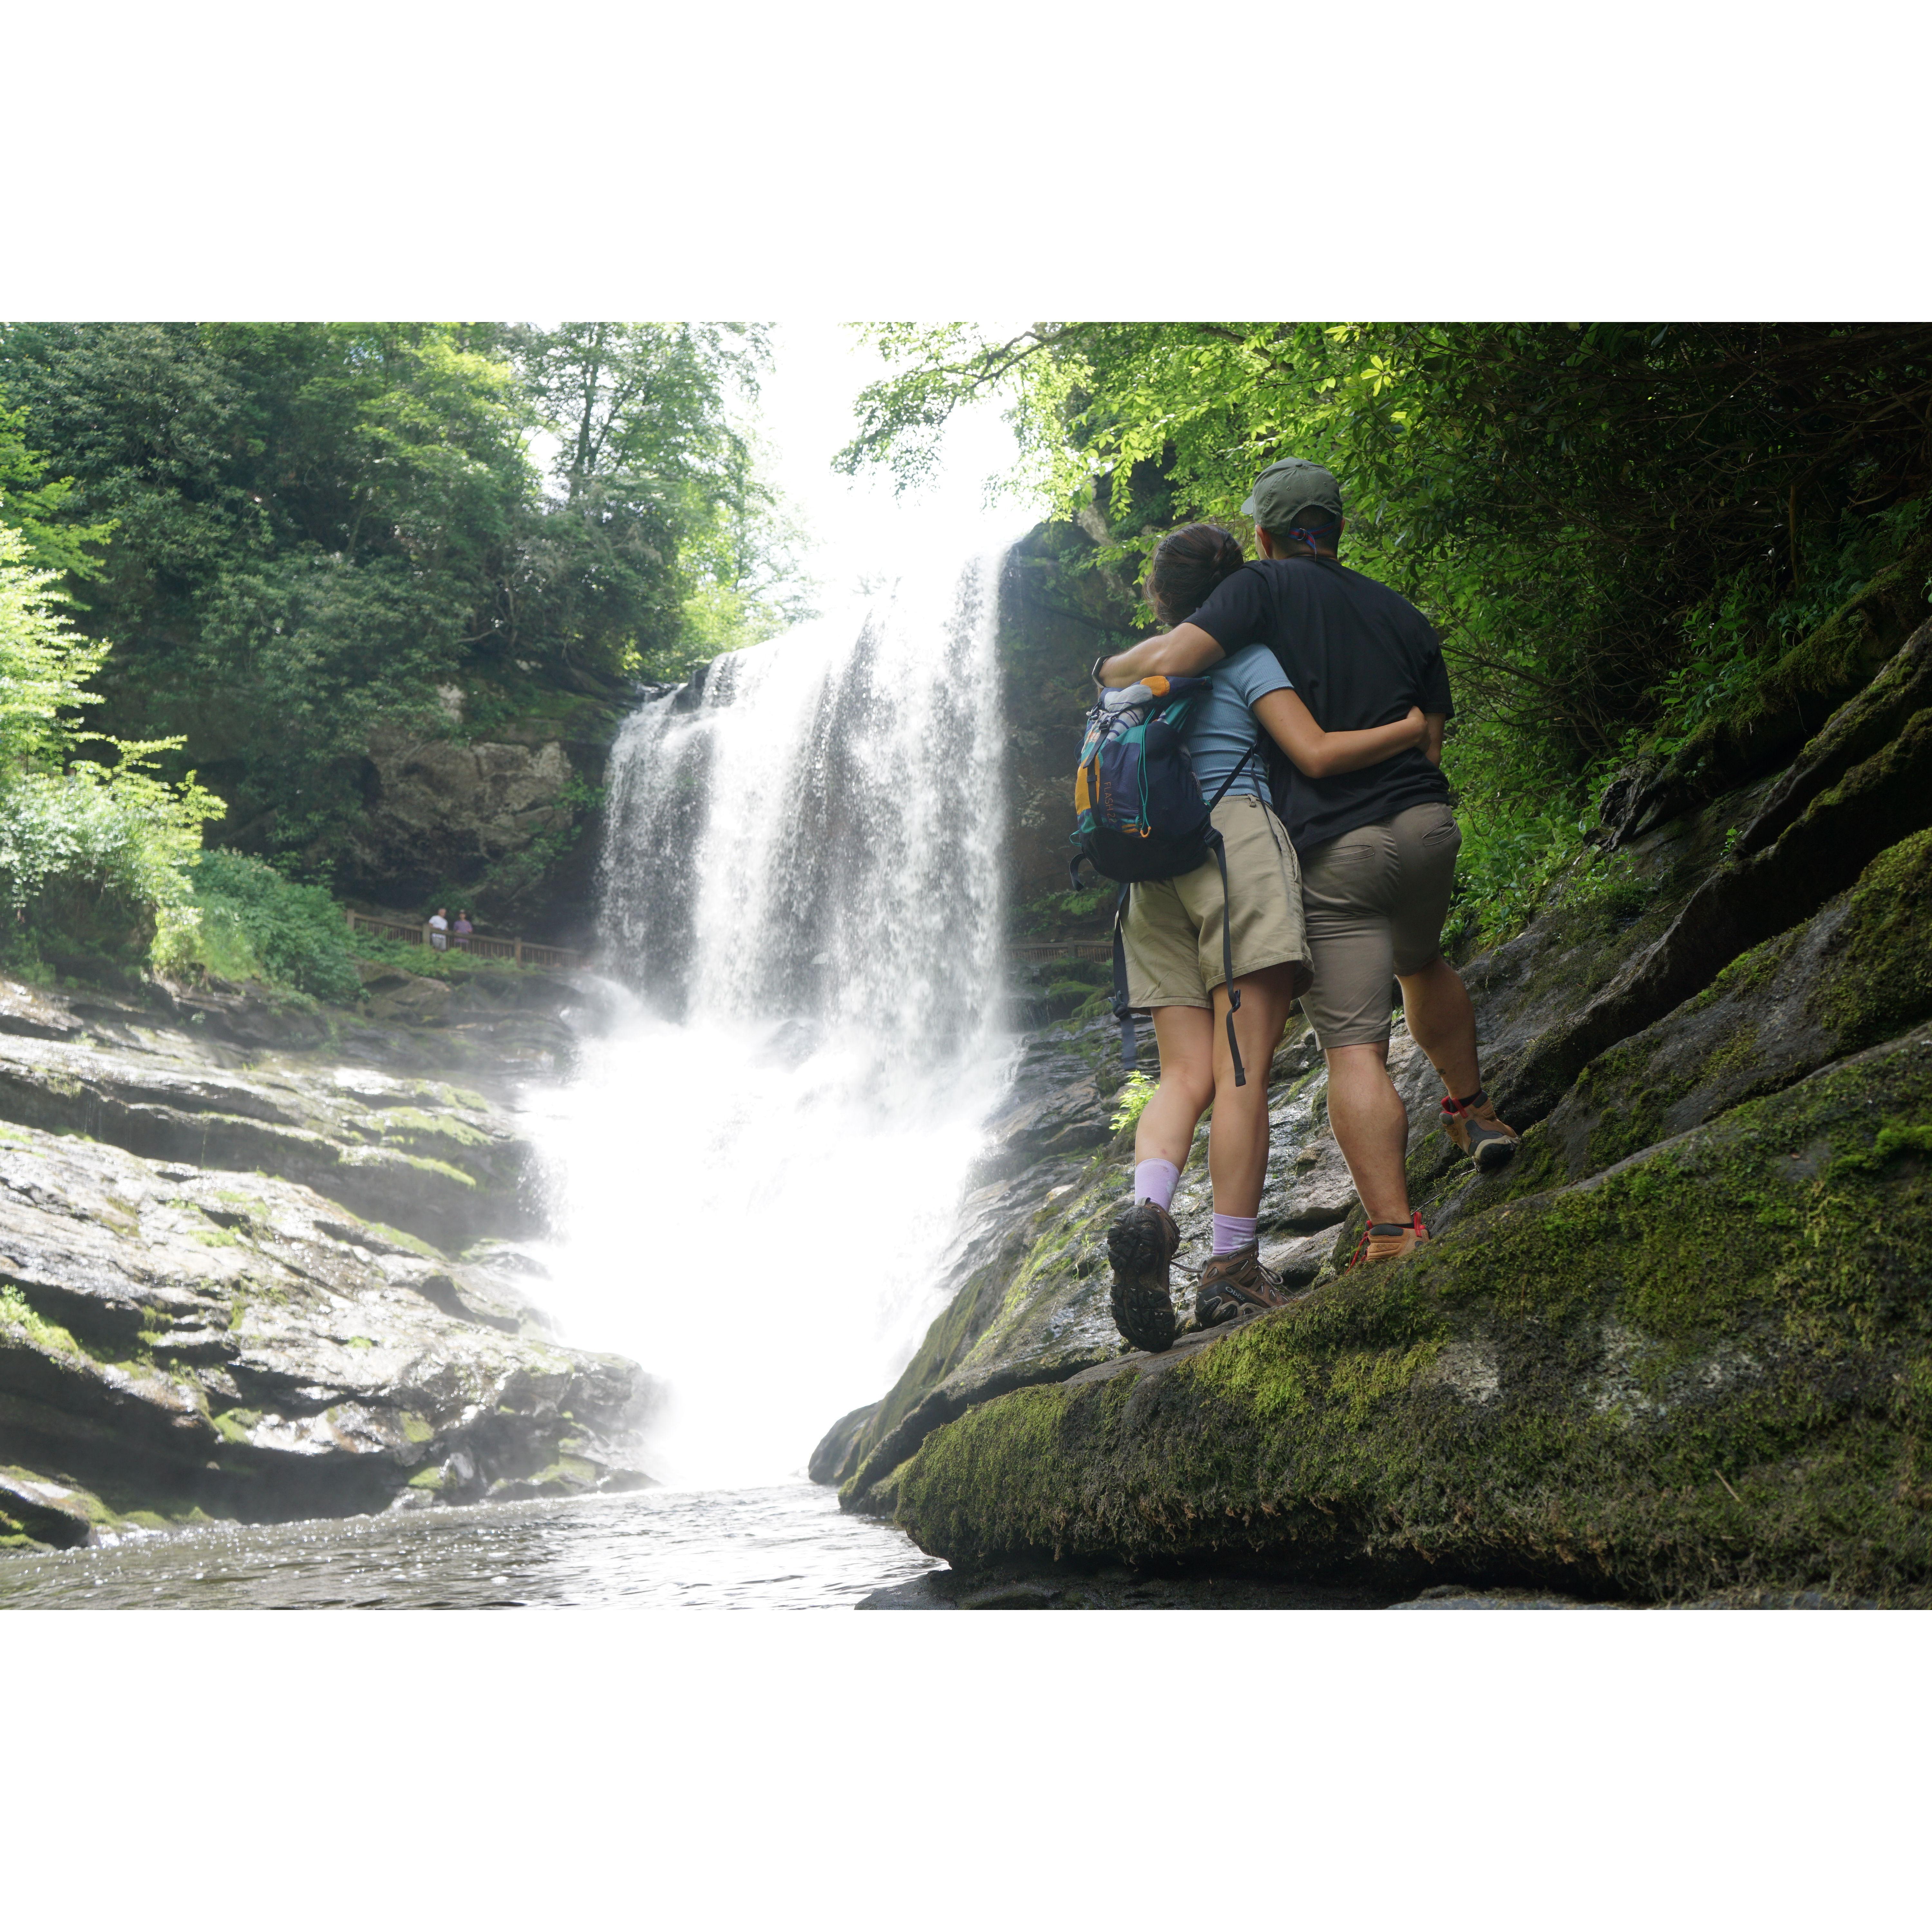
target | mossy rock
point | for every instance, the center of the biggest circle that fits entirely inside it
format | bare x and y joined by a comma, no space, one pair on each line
1860,972
1709,1368
1821,671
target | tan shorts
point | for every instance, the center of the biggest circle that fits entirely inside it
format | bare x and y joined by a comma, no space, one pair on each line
1174,926
1375,899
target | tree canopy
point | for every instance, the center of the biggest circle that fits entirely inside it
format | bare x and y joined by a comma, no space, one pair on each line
1616,527
295,533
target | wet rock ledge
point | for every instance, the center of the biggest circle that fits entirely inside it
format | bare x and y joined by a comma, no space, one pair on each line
270,1331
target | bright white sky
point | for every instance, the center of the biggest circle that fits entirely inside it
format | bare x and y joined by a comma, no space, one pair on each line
860,532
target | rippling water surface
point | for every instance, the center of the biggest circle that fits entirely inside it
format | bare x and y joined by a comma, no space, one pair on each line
784,1547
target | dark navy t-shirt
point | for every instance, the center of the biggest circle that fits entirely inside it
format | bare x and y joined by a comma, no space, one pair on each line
1359,655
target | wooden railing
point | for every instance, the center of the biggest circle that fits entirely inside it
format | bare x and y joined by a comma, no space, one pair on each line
1031,951
524,951
561,959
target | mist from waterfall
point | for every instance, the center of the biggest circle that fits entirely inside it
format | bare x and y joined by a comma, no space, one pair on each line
756,1171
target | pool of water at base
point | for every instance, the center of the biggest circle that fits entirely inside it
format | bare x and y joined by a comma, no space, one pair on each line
785,1547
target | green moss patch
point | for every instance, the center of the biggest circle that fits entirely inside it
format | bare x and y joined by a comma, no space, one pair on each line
408,1124
1710,1369
1881,980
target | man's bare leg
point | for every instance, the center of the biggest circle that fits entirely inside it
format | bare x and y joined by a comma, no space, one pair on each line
1371,1126
1442,1022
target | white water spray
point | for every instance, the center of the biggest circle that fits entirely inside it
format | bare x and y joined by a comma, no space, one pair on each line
758,1171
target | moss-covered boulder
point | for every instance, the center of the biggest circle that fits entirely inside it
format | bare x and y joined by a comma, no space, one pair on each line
1862,785
1767,723
1858,973
1709,1368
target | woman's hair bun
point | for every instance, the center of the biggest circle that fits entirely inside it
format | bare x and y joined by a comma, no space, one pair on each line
1187,565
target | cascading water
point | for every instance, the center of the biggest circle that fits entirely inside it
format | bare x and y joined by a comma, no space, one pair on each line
757,1169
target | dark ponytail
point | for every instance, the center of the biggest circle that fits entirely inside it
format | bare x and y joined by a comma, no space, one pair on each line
1187,565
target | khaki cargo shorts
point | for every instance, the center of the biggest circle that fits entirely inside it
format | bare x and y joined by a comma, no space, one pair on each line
1173,927
1375,899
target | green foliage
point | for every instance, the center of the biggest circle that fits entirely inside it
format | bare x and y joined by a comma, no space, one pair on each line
101,857
659,494
1617,528
45,663
37,507
255,925
16,1309
94,857
1051,911
315,526
1134,1094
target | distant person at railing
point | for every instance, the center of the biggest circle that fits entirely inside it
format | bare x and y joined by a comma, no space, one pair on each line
439,929
463,929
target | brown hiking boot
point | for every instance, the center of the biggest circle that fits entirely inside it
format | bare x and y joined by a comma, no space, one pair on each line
1473,1125
1230,1284
1389,1240
1140,1245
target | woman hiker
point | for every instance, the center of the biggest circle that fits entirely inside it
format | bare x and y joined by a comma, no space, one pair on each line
1172,934
1377,841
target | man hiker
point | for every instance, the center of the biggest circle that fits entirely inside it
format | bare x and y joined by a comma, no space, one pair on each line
1377,846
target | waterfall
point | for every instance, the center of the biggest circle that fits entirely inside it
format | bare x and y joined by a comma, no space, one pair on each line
757,1168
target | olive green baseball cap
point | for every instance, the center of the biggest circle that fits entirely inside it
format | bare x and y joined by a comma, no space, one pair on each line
1284,490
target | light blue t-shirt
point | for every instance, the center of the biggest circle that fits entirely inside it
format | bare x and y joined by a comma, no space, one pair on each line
1221,726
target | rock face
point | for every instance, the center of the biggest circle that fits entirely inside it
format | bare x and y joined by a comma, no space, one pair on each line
1680,1350
240,1282
504,815
1057,614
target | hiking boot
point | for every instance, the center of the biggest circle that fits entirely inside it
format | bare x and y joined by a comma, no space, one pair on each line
1389,1240
1231,1284
1473,1125
1140,1245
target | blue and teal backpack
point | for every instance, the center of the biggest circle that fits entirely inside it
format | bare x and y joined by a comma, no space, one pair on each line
1140,814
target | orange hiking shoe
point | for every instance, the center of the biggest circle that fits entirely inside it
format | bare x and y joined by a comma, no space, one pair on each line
1473,1125
1389,1240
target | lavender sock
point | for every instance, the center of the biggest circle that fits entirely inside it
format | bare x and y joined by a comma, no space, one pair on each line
1234,1231
1154,1180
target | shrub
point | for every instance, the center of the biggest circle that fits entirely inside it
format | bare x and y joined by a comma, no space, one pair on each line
255,924
1135,1091
93,859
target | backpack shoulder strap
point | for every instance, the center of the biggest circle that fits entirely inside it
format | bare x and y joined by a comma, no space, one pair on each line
1124,1013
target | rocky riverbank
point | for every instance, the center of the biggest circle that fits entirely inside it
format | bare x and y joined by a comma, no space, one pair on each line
259,1260
1681,1350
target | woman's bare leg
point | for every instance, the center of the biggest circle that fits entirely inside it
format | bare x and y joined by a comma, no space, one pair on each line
1237,1142
1185,1035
